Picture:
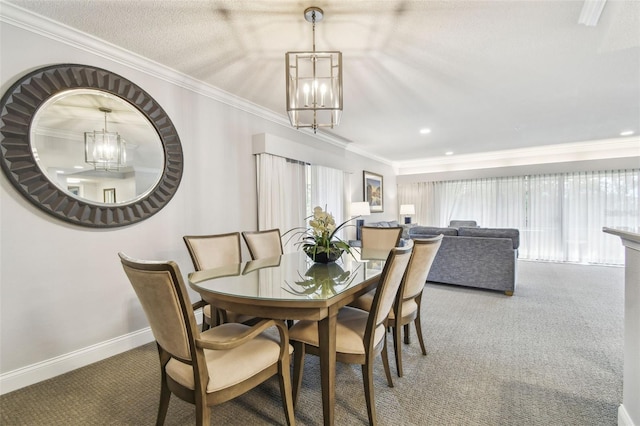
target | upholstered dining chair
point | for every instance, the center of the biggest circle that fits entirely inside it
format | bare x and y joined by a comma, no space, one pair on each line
263,244
374,237
211,367
407,306
212,251
360,335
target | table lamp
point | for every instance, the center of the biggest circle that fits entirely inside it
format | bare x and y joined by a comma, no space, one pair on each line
407,209
360,209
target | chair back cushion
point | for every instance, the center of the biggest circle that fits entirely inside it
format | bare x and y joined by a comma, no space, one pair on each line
212,251
380,238
263,244
162,294
390,280
424,252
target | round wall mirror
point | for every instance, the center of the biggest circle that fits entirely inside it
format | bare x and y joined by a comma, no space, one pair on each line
88,146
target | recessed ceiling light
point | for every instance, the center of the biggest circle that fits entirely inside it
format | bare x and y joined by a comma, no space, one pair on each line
78,167
60,171
627,133
425,131
448,153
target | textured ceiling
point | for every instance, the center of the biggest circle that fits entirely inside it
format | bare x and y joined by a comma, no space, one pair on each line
482,75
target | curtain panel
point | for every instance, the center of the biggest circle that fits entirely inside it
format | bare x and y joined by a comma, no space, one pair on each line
282,193
288,190
560,216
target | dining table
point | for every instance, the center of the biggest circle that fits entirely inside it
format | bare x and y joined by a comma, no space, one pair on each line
293,287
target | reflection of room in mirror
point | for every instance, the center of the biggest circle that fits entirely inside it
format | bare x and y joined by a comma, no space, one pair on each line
58,143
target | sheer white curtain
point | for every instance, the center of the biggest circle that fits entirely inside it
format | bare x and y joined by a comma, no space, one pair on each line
568,213
560,216
490,202
422,196
542,237
328,190
282,194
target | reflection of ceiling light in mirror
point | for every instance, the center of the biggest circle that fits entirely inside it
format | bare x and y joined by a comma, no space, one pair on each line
60,171
448,153
72,180
78,167
425,131
627,133
104,149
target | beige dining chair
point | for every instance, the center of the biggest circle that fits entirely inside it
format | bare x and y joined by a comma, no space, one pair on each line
360,335
376,238
263,244
407,307
373,237
212,251
211,367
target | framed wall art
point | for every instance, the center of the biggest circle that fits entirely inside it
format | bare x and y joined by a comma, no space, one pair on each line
373,191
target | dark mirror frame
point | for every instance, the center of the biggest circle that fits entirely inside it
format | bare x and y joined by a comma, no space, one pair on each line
29,93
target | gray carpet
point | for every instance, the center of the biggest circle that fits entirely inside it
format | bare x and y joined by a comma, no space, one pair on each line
550,355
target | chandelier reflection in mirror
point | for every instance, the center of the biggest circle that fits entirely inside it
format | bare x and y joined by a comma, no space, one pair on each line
314,83
105,150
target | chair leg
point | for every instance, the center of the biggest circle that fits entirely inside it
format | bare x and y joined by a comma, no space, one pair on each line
385,363
165,396
397,348
407,334
298,365
367,378
203,413
205,324
418,324
284,377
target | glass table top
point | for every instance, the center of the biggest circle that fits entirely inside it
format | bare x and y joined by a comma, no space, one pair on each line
292,276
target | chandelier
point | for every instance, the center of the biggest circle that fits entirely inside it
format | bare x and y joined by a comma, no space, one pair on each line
314,83
105,150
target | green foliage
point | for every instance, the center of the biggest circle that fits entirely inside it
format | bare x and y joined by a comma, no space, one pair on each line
321,236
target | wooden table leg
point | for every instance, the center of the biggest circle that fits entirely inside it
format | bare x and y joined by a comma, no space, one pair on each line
327,347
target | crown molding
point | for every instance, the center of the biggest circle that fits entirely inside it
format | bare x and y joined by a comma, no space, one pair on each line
559,153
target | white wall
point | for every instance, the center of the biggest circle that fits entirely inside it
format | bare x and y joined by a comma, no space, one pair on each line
64,299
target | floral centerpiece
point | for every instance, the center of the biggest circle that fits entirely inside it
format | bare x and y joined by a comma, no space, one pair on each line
320,241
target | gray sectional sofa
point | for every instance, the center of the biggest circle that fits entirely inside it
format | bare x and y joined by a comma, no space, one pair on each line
474,257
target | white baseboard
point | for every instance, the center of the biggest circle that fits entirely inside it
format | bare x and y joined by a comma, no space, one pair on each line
47,369
623,417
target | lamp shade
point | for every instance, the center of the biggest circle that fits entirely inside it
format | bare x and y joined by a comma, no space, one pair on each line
407,209
360,209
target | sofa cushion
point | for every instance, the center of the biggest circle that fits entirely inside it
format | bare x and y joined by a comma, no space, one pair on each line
406,227
461,223
419,231
512,233
384,224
